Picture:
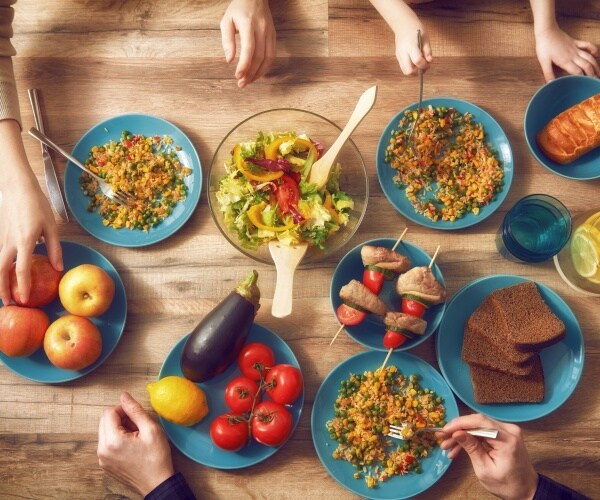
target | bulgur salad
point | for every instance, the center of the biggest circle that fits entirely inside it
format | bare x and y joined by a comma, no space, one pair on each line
265,194
448,169
146,167
365,408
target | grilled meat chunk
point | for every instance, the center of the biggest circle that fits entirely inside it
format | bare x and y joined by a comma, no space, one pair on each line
384,258
401,321
358,294
420,282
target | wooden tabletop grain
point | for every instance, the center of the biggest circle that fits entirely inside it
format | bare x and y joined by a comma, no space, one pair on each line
95,60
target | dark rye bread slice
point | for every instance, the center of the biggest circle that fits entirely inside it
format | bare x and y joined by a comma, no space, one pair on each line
476,350
530,323
490,386
484,322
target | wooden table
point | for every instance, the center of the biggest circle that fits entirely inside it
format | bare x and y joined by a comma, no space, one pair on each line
94,60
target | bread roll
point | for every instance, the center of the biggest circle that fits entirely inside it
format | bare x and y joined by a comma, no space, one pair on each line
573,132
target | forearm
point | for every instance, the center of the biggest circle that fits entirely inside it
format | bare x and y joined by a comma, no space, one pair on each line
14,166
544,15
395,13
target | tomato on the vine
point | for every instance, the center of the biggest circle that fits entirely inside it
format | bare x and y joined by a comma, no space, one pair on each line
254,358
413,307
229,431
284,383
240,394
347,315
271,423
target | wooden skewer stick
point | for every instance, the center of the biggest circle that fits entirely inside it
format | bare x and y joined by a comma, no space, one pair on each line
386,359
434,256
337,333
400,239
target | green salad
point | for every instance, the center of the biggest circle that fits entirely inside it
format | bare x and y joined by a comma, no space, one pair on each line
265,194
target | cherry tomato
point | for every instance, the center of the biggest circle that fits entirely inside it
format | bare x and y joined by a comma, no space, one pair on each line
229,431
349,316
287,193
271,423
373,280
239,394
254,358
413,307
393,339
284,384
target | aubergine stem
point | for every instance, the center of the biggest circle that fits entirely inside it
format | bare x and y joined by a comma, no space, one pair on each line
249,290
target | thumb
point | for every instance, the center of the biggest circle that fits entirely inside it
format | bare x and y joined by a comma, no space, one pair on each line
547,69
135,412
473,447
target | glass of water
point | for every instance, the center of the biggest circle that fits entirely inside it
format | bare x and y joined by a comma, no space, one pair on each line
536,228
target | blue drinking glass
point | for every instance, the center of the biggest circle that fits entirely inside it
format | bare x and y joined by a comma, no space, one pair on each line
534,229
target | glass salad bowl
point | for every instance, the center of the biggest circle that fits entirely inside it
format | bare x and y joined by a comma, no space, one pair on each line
245,218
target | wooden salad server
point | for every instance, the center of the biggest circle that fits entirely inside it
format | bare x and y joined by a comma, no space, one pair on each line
286,260
319,173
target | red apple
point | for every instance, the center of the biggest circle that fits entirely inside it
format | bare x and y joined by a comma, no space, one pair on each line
44,282
22,330
72,342
86,290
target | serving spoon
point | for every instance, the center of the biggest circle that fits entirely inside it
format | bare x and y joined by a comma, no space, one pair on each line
286,260
319,173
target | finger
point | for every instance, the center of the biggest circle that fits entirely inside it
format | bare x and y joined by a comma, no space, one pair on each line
53,246
228,38
257,60
270,51
547,69
418,59
477,453
246,51
454,451
427,52
6,261
572,68
24,256
590,65
471,421
135,412
110,425
587,46
406,64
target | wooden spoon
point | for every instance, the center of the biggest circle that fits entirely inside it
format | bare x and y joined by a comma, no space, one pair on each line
286,260
320,170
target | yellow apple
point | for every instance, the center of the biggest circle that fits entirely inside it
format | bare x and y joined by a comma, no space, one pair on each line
86,290
72,342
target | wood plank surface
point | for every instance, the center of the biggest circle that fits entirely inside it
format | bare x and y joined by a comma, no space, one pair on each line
94,60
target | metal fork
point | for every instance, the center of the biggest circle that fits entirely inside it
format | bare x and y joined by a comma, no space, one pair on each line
400,431
412,129
121,197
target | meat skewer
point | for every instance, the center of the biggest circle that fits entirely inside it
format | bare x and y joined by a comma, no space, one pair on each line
382,264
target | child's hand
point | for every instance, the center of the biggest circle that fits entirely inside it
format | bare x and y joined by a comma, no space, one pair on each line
252,20
576,57
409,56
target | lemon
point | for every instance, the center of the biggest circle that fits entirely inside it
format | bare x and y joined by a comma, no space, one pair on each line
592,219
585,249
178,400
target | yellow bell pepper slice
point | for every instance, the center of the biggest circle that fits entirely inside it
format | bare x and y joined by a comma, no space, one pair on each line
255,217
264,176
328,204
272,150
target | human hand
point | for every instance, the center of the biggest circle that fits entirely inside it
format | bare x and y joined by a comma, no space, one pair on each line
132,447
252,20
25,216
576,57
410,58
502,465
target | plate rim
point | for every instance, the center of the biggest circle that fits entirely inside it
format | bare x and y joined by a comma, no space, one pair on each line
396,354
270,450
77,374
413,216
194,196
402,348
483,408
532,149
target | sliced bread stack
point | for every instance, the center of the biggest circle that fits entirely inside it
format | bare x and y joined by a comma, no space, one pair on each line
501,344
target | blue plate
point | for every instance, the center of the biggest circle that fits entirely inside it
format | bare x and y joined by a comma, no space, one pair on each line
396,487
562,362
195,442
111,129
37,367
550,100
371,331
495,136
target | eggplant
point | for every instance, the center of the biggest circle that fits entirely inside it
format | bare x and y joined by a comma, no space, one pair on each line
217,339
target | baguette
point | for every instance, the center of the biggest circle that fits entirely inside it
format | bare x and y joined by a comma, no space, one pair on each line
573,132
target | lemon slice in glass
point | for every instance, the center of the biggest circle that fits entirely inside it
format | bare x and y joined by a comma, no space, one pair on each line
584,253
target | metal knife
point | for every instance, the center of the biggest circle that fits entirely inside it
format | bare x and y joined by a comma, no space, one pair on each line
56,197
